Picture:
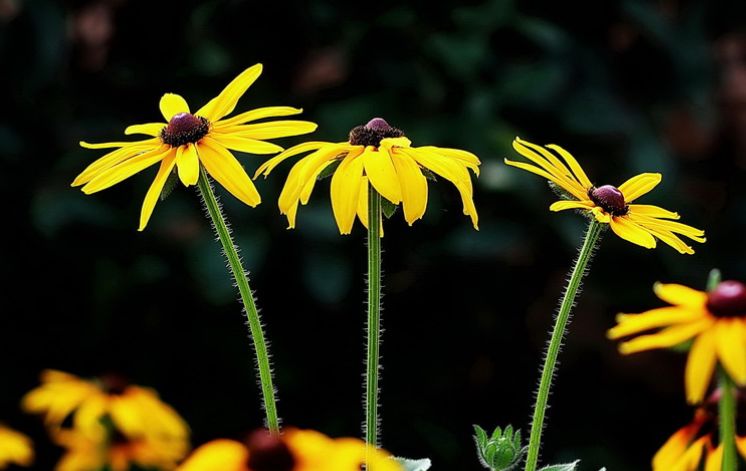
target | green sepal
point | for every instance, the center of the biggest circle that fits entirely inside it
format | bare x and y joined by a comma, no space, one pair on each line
329,170
428,174
409,464
169,185
562,467
480,435
388,208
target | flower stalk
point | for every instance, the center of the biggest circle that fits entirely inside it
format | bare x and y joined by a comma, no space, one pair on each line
242,282
555,343
727,413
374,317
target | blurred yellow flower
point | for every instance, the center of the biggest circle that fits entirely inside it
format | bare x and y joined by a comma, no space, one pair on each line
684,450
134,411
295,450
640,224
15,448
188,139
715,321
379,155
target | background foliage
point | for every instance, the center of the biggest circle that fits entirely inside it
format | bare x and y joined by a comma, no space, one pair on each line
627,86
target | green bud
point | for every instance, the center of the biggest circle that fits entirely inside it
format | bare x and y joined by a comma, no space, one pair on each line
501,451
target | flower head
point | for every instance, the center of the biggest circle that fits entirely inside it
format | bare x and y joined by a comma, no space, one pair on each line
640,224
375,154
133,411
714,321
295,450
188,140
15,448
684,449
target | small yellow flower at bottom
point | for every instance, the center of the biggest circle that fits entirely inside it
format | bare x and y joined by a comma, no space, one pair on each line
375,154
15,448
640,224
715,321
294,450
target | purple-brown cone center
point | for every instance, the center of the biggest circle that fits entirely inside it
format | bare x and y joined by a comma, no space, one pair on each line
268,452
372,133
184,128
114,384
728,299
610,199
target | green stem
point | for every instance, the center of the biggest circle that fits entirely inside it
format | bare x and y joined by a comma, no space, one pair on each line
550,361
242,282
727,407
374,317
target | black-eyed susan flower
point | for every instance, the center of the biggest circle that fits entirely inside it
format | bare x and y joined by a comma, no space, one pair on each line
189,139
375,154
15,448
686,449
133,411
294,450
640,224
714,321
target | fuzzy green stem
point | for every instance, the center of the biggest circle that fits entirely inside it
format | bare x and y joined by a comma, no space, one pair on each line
242,282
550,361
374,317
727,414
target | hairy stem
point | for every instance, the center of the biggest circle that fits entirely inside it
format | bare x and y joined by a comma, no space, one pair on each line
374,317
727,408
555,343
242,282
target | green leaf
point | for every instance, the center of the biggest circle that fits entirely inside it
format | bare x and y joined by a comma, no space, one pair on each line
328,170
169,186
388,208
497,433
481,436
562,467
414,465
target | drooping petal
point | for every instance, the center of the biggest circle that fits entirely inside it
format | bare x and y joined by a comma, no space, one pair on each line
227,171
381,174
680,295
567,204
700,366
731,348
270,164
225,103
669,238
154,192
674,448
111,159
670,226
243,144
639,185
666,338
413,187
218,455
467,158
172,104
150,129
345,192
187,162
126,169
258,113
362,202
631,232
714,460
691,459
629,324
652,211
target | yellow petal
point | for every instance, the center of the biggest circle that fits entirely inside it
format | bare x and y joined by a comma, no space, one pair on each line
715,460
639,185
305,194
692,457
413,187
670,226
631,232
126,169
150,129
666,338
700,366
741,445
345,192
187,162
250,146
227,455
680,295
172,104
154,192
467,158
382,174
225,103
15,448
110,145
362,202
674,448
652,211
552,165
566,204
669,238
270,164
629,324
270,130
258,113
731,348
227,171
111,159
573,164
601,215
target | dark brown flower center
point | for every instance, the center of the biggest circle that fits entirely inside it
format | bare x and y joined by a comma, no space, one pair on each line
184,128
372,133
114,384
610,199
728,299
268,452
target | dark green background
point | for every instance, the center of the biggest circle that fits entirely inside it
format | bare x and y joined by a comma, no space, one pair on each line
626,86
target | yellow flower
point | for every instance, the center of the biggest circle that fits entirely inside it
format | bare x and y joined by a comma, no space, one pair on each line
15,448
640,224
715,321
379,155
295,450
186,141
85,452
684,450
134,411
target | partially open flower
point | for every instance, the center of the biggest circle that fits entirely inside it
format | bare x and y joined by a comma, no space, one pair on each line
294,450
15,448
375,154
